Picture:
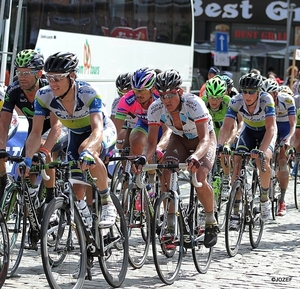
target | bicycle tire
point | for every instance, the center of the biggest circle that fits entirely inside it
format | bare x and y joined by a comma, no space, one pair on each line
16,222
256,225
201,255
167,248
114,263
4,248
139,229
233,235
71,243
297,185
117,180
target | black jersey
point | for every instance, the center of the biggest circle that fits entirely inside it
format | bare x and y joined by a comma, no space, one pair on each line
15,96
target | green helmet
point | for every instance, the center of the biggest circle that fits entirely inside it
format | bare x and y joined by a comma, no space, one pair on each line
215,87
29,58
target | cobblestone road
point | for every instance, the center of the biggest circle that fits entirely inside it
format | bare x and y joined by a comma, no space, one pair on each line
274,264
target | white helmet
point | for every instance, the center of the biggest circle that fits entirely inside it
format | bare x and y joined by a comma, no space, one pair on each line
269,85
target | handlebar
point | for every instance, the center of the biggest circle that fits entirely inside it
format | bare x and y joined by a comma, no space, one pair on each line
149,167
244,154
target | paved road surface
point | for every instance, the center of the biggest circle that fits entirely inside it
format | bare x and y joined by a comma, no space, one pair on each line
274,264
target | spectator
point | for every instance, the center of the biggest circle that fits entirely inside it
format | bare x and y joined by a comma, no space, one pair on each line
213,71
293,72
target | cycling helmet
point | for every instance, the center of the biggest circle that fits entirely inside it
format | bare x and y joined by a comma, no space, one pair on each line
269,85
29,58
123,81
143,78
251,80
228,80
168,80
61,62
285,89
215,87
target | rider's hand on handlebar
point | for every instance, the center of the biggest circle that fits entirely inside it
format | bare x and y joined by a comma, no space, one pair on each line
256,153
86,158
26,164
3,154
192,163
226,149
138,164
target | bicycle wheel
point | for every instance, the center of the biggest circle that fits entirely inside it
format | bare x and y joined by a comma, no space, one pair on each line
4,250
14,213
297,185
167,245
117,180
114,263
256,225
221,209
69,247
139,228
235,219
201,255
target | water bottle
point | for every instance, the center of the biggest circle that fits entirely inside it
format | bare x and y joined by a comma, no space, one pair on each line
138,201
249,191
151,194
216,186
85,213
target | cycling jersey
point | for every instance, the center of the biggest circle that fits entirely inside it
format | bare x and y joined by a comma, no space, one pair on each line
87,101
285,106
130,121
256,121
15,96
219,115
297,104
129,105
192,110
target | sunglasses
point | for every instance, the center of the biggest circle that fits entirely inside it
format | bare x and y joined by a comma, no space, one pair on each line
215,97
169,94
56,77
141,91
26,73
249,91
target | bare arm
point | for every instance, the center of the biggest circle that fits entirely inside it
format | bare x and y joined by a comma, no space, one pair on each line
164,140
225,130
292,121
54,132
33,141
204,139
270,125
150,148
4,127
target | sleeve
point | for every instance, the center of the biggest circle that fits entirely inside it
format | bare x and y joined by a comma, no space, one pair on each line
123,107
154,113
40,107
197,110
291,108
9,101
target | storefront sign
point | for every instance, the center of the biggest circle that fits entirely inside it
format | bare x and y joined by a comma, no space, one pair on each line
262,12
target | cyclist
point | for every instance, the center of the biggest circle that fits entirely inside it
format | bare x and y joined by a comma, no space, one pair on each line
21,93
217,102
231,90
123,85
79,107
192,129
213,71
136,103
259,126
286,123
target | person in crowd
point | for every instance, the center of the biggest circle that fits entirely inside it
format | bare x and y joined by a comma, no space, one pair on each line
192,129
257,110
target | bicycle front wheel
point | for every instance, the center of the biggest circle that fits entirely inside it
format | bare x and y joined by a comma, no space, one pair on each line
235,219
13,209
297,185
167,240
63,247
201,255
139,227
256,225
4,249
114,263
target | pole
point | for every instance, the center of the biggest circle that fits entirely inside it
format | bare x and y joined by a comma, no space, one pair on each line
4,51
293,67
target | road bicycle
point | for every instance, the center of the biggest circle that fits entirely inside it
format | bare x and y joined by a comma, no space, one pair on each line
4,250
215,178
138,210
170,244
18,206
243,207
75,243
296,173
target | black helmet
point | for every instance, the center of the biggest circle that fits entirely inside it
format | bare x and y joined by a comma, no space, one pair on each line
123,81
168,80
61,62
251,80
29,58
